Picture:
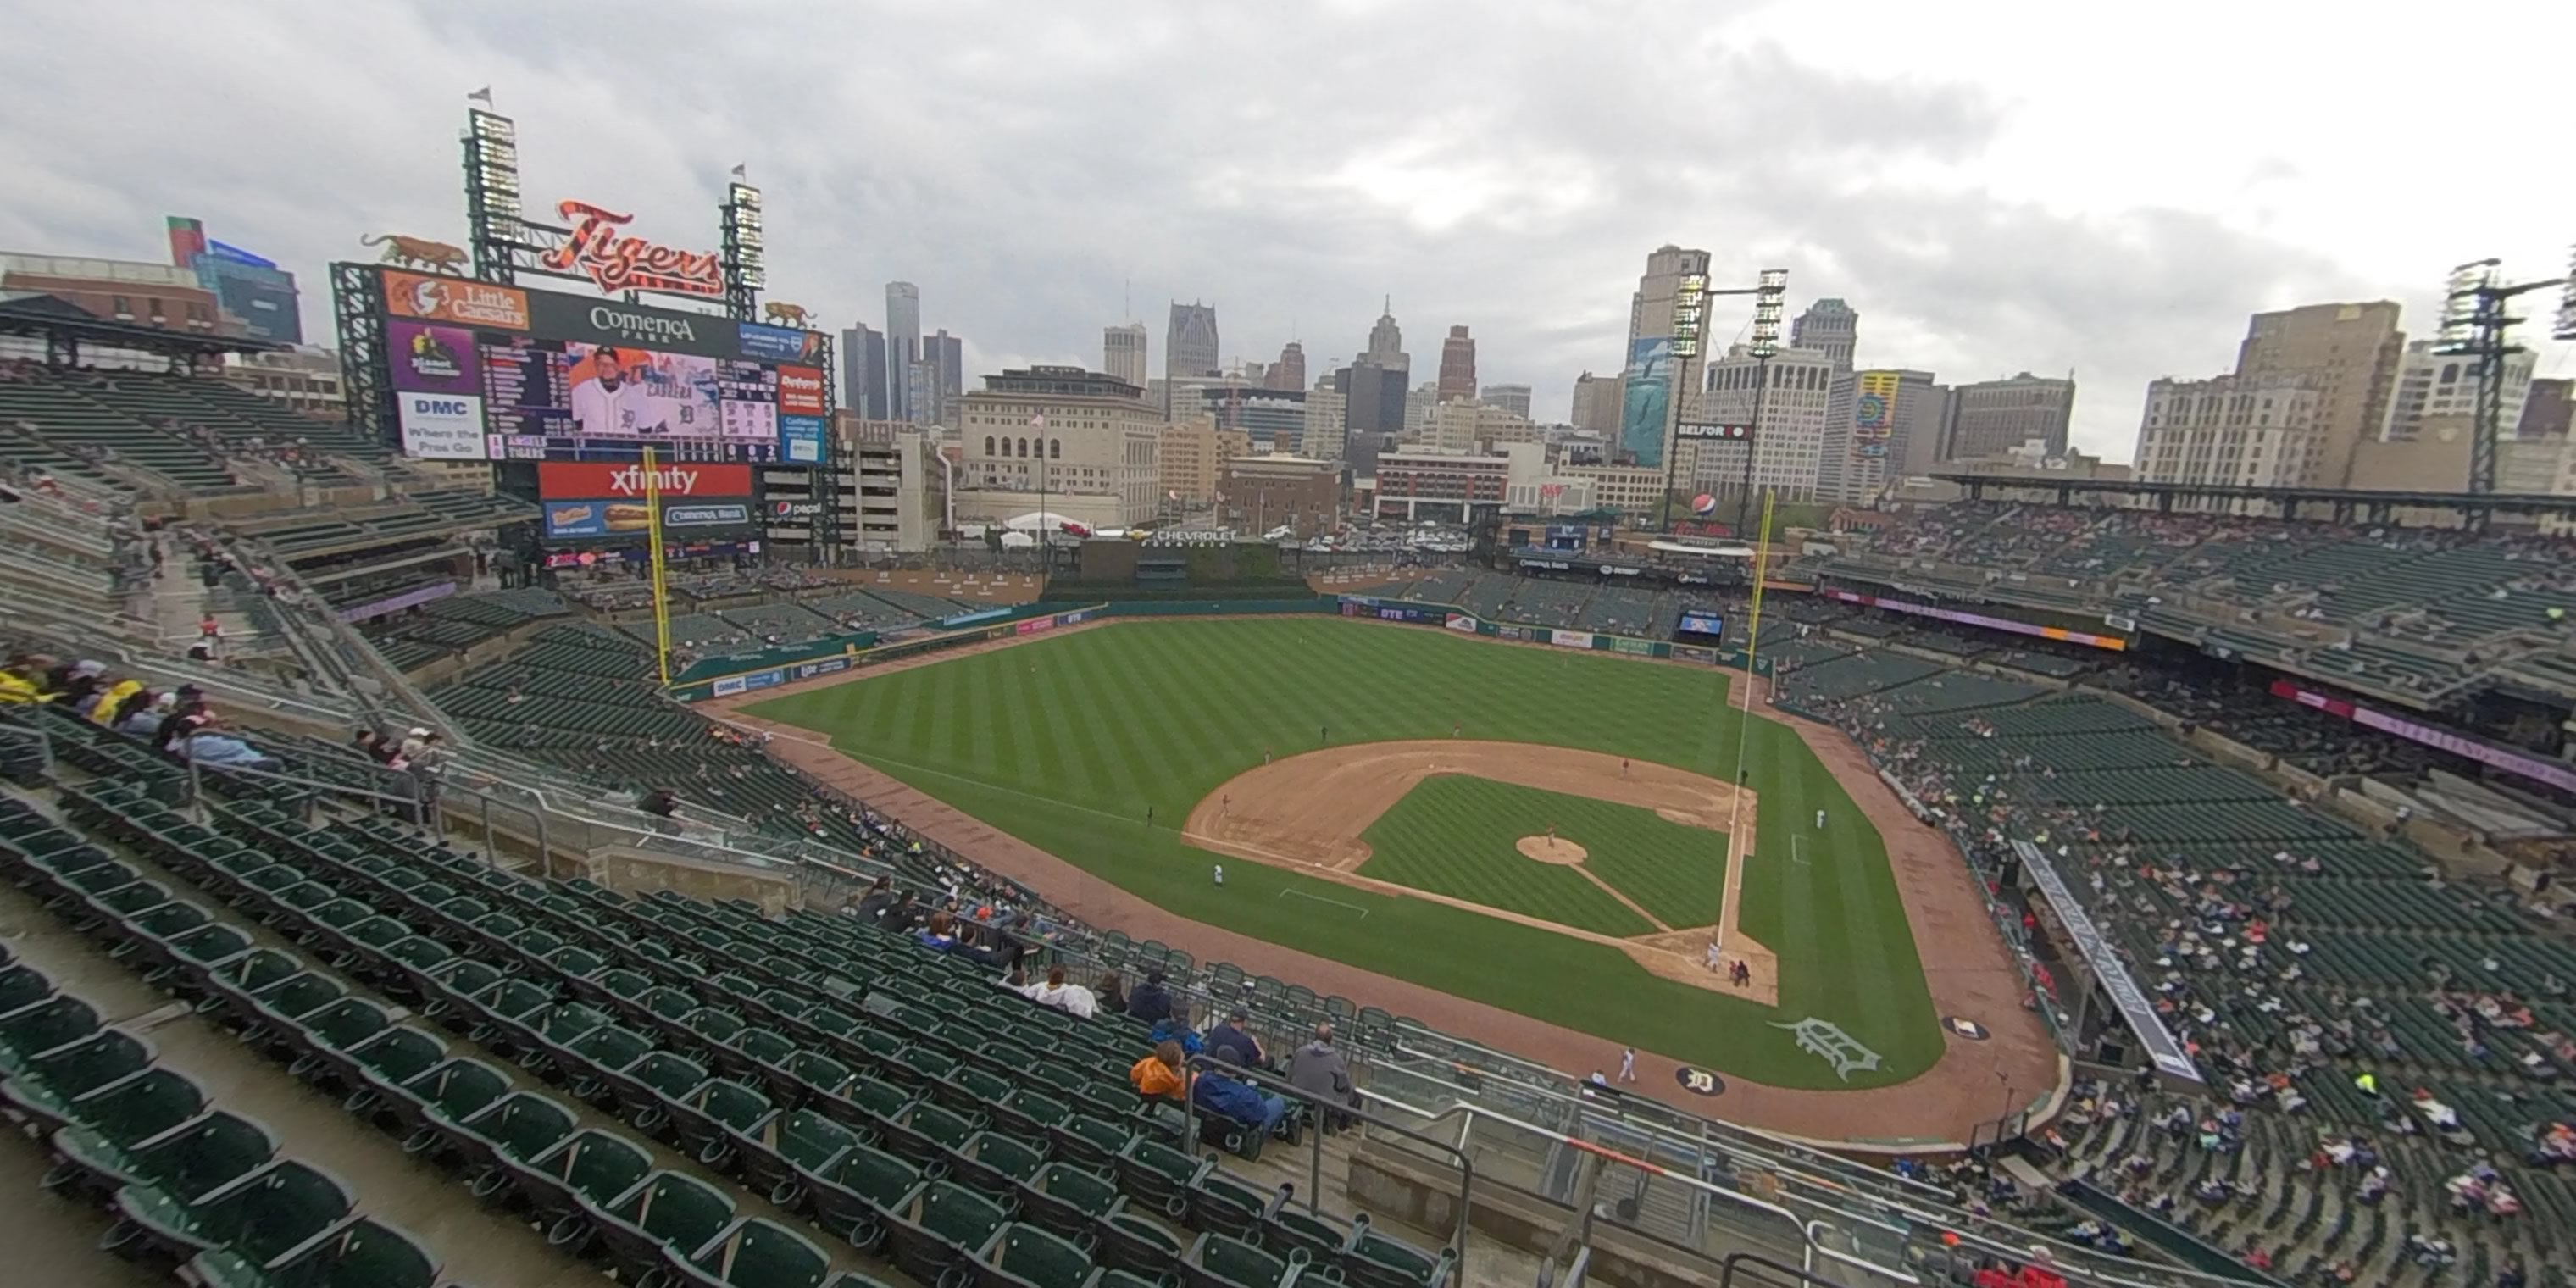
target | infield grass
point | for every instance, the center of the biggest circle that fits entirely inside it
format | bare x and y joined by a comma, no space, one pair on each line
1065,743
1459,836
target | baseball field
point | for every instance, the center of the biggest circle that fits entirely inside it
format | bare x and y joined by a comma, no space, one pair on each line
1554,833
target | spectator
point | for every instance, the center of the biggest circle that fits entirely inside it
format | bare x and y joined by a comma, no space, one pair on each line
1319,1071
940,935
113,715
1176,1028
108,704
660,803
79,683
414,744
146,722
215,746
1159,1075
1073,999
879,897
1113,993
1229,1035
22,681
1151,1002
185,717
1237,1100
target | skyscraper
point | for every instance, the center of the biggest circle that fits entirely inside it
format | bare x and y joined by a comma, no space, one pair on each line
1386,342
1674,284
1457,365
863,372
1870,417
1190,347
1992,416
1789,439
1122,352
1290,371
2435,390
944,356
1829,327
2352,351
1511,398
903,348
1596,405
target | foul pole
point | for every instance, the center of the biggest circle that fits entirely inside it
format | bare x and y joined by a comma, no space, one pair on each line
1744,723
653,559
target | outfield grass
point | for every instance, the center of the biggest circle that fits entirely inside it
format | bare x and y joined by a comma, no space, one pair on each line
1066,742
1458,836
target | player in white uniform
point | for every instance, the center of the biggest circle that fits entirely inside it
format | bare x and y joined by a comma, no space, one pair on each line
611,404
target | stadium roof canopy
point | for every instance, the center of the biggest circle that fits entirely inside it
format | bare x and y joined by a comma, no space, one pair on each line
2288,500
59,321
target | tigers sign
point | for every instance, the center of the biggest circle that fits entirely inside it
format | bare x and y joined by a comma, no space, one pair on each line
617,262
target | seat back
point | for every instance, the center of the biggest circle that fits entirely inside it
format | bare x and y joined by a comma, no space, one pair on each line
59,1020
140,1107
459,1087
523,1126
359,1253
203,1153
1236,1263
675,1209
400,1054
1035,1256
270,1211
91,1063
598,1164
762,1254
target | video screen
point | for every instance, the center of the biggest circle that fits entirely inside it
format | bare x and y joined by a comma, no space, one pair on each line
568,400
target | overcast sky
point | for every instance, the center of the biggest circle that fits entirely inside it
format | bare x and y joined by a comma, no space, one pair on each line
1995,187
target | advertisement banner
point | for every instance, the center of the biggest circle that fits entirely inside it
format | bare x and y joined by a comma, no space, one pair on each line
1570,639
1648,403
441,427
780,511
1516,634
572,519
1632,647
800,392
1689,653
800,438
581,480
455,300
1462,623
1700,621
828,666
2518,763
431,359
1074,618
745,683
730,514
774,343
613,322
1036,624
2110,642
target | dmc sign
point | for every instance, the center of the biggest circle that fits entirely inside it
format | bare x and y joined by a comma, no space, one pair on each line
621,263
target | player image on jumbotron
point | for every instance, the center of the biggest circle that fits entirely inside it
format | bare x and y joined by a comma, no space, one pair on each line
608,400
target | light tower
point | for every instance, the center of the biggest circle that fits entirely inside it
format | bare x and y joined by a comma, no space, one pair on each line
2476,324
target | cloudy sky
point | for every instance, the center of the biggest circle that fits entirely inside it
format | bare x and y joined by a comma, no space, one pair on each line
1995,186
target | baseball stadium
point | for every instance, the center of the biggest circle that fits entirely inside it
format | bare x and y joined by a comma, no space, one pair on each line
543,822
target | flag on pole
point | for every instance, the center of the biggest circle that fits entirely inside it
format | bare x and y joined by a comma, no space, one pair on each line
741,172
483,96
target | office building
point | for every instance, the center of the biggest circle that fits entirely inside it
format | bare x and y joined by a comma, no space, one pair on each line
248,286
1418,403
2439,391
1789,436
1669,305
903,349
863,372
1190,346
1080,444
1327,428
1830,327
2351,352
1596,405
1386,343
1631,489
302,377
2261,430
944,357
1463,425
1992,416
1122,353
1192,460
135,292
1436,486
2548,410
1290,371
1373,397
1275,419
1457,365
883,494
1265,493
1871,418
1511,398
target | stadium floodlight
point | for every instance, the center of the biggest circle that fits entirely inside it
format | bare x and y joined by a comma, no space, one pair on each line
2477,323
743,246
1770,297
493,217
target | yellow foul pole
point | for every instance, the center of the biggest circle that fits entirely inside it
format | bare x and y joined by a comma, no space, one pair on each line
1761,570
661,592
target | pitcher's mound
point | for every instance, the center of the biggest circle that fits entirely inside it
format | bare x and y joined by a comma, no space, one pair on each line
1547,849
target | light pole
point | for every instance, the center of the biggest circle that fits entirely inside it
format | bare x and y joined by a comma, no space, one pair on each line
1046,547
1769,289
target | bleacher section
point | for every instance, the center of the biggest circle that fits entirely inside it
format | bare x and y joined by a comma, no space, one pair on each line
100,442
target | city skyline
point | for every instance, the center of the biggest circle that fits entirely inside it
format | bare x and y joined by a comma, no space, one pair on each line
1989,217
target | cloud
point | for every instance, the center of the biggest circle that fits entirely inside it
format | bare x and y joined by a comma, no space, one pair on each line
1506,167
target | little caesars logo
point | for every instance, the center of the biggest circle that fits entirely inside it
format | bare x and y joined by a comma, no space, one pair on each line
671,480
642,328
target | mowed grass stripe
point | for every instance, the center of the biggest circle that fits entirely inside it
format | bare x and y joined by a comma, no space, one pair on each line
1458,836
1189,704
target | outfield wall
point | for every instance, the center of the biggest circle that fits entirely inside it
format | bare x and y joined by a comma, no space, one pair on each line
1456,618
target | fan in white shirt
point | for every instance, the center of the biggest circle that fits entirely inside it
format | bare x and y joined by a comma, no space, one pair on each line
609,403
